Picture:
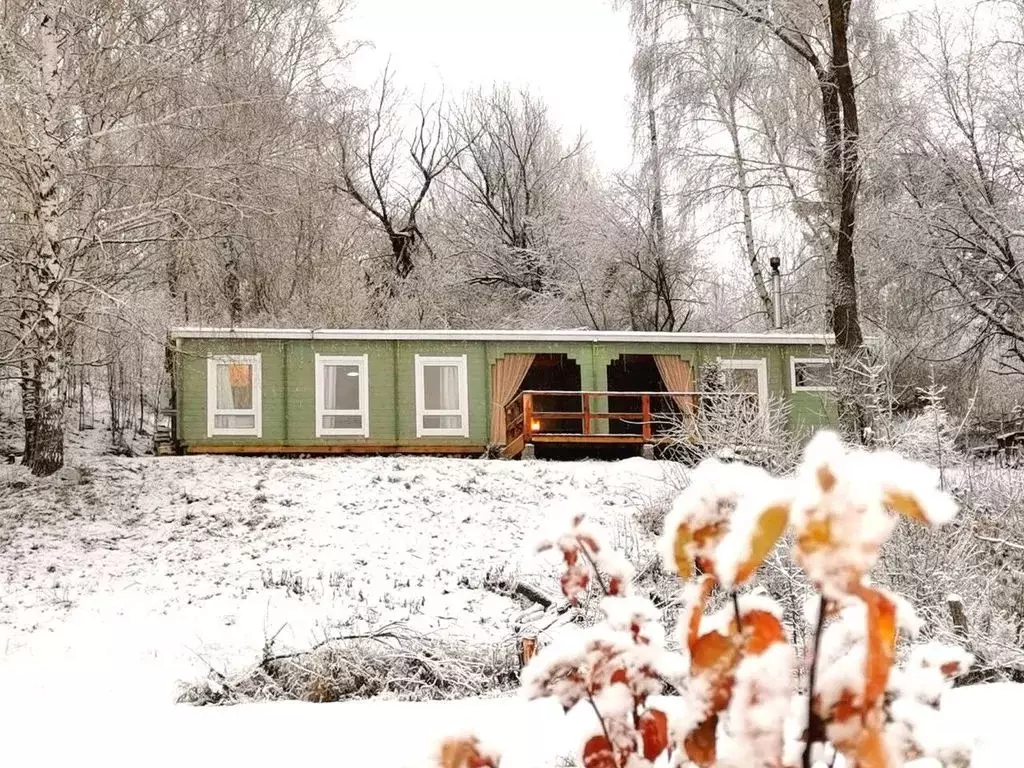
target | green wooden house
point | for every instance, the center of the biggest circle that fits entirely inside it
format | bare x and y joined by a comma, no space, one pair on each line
249,390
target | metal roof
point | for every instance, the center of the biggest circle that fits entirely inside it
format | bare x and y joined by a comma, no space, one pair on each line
642,337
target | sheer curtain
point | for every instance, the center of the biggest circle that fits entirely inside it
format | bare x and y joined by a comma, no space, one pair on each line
330,387
448,391
507,375
678,377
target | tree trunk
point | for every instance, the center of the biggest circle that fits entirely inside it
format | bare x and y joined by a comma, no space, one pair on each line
233,284
48,433
845,320
749,242
47,453
29,401
664,306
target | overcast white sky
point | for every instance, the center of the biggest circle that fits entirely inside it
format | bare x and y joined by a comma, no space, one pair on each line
574,53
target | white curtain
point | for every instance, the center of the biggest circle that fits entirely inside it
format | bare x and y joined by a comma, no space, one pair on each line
330,387
448,390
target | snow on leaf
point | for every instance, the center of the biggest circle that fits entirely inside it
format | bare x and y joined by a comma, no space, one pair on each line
757,524
700,515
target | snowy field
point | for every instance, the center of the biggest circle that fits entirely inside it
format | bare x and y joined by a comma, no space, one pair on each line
126,576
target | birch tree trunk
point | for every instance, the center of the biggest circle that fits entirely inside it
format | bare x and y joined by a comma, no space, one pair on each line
47,437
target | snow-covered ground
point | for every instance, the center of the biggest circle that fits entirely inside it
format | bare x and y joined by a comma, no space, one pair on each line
126,576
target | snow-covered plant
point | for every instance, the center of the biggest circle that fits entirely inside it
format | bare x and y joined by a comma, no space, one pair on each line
735,702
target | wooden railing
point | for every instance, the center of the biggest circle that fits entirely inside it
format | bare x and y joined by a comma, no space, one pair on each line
585,416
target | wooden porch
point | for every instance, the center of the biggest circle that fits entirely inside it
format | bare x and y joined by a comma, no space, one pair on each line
594,418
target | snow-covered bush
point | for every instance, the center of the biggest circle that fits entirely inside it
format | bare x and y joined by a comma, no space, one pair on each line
733,694
729,423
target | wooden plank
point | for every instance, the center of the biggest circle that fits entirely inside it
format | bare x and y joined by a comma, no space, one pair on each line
547,437
332,449
514,448
581,415
527,417
645,405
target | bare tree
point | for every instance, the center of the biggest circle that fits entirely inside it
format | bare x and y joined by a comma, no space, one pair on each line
393,192
517,178
963,172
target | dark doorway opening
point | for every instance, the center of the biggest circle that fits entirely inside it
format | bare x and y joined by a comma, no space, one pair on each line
555,373
631,373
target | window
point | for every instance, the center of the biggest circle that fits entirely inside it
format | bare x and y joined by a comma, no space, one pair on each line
233,396
342,396
442,401
811,374
747,376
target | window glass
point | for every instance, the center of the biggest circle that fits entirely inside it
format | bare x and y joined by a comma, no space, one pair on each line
741,380
812,374
341,388
234,386
442,422
353,421
441,390
234,421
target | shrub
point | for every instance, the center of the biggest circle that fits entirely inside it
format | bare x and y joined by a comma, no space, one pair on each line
737,701
729,424
393,662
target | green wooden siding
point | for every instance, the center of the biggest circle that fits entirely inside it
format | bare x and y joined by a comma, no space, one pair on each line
288,383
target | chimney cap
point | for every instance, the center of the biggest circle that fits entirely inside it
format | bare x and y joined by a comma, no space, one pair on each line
774,262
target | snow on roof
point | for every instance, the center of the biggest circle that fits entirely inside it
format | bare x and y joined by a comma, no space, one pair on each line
499,335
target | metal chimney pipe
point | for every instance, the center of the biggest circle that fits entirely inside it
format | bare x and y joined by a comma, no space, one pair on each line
775,262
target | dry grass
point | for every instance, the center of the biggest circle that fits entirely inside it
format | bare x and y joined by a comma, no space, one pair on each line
392,662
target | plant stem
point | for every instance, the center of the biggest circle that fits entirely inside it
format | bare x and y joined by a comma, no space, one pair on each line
736,607
812,675
593,567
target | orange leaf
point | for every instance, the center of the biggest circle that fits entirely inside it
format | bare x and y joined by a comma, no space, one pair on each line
653,727
598,753
871,749
712,650
463,753
760,631
770,526
701,744
881,644
681,551
707,583
708,534
951,669
714,656
905,504
815,536
826,478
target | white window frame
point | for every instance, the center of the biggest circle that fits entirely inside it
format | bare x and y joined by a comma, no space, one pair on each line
756,364
361,362
792,374
423,361
256,361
